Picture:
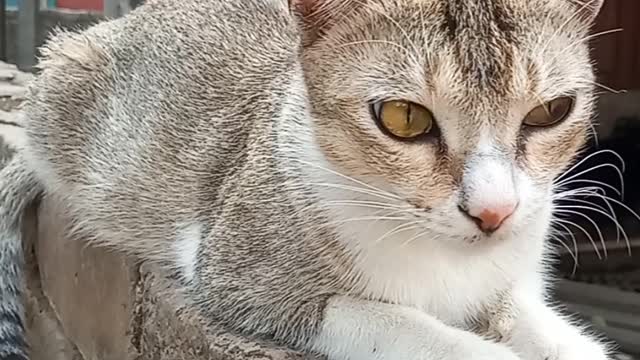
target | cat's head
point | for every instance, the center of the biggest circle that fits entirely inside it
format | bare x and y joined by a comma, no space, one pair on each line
464,110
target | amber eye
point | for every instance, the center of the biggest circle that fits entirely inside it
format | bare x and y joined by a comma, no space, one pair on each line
403,119
550,113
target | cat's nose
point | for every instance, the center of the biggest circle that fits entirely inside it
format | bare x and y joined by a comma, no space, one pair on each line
489,219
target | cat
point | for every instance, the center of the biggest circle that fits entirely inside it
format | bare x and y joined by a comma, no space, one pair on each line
366,179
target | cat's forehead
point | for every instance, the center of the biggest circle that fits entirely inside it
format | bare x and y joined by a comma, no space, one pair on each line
479,36
489,49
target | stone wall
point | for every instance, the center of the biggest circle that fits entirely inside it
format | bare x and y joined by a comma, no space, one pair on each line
110,308
86,303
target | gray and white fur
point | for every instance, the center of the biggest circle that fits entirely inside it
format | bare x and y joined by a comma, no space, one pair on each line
18,189
231,142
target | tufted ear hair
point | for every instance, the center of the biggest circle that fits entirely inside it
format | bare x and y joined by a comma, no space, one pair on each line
589,9
317,16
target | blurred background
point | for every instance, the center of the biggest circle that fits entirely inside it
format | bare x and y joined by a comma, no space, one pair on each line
598,231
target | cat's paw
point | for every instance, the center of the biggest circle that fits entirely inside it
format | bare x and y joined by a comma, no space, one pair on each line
540,333
491,352
582,348
461,346
363,330
474,348
568,348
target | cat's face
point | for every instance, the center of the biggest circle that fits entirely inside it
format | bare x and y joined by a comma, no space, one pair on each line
437,102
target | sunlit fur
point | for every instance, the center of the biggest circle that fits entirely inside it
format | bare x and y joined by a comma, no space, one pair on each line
232,143
480,67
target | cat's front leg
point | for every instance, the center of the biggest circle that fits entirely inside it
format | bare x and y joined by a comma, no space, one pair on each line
354,329
540,332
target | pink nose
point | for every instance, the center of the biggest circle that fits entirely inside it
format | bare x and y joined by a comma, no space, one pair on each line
490,219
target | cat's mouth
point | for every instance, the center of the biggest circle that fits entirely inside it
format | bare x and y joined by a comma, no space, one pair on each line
458,227
473,239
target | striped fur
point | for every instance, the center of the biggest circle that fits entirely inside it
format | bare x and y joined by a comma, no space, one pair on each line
17,189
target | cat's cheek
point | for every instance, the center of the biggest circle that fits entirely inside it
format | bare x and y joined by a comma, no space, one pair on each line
547,154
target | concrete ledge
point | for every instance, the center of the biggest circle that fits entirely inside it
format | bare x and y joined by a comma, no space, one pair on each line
110,308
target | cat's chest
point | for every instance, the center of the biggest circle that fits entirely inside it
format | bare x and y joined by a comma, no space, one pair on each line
451,287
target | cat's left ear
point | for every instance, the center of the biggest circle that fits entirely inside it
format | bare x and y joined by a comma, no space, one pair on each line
317,16
589,8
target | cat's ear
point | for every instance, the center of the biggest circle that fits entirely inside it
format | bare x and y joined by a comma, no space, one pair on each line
317,16
589,9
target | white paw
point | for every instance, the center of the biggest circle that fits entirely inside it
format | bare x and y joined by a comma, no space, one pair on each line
571,348
419,346
359,330
585,349
475,348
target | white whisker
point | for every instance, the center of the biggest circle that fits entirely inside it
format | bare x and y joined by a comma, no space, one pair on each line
367,218
573,254
584,191
624,206
356,190
412,225
613,219
595,246
417,236
595,225
349,178
596,168
596,153
370,204
588,181
619,229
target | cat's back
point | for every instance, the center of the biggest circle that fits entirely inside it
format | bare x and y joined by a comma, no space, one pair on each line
151,106
157,80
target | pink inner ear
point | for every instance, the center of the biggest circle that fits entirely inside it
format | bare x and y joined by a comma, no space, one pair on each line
305,7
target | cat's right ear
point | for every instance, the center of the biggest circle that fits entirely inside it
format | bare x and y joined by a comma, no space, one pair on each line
317,16
589,9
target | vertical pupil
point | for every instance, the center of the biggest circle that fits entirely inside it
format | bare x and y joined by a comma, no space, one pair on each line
556,109
551,112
